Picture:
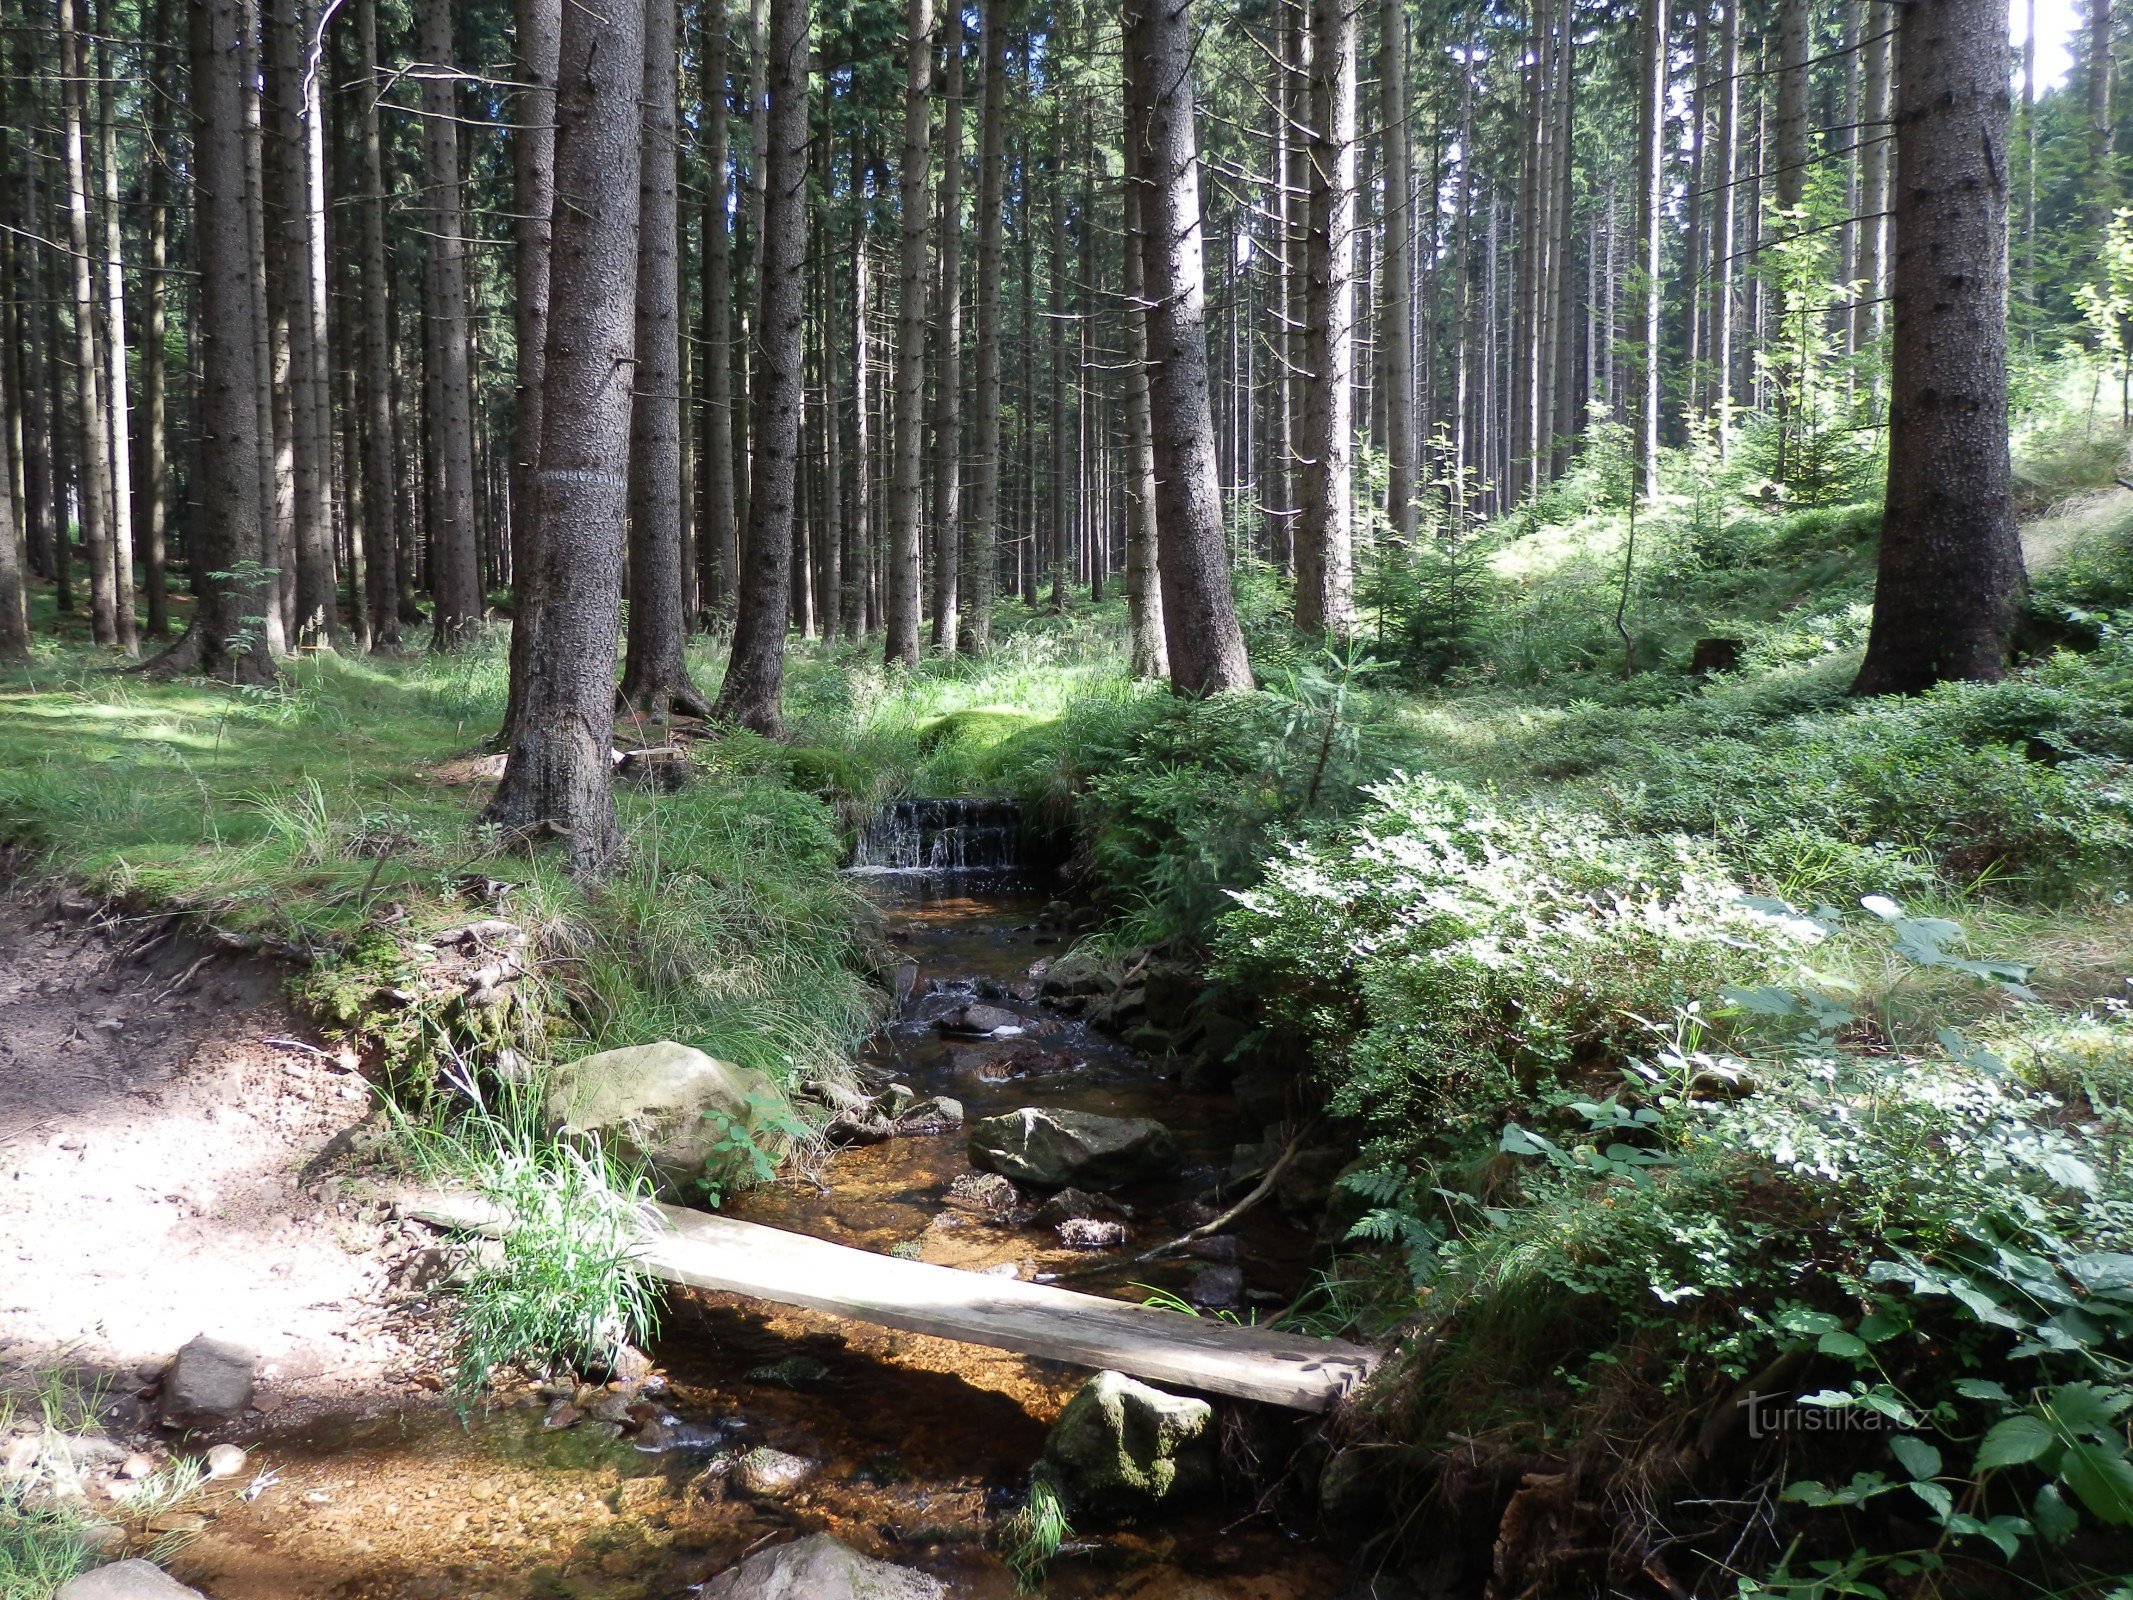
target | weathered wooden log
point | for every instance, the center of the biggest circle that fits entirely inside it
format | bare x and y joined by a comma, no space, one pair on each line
700,1251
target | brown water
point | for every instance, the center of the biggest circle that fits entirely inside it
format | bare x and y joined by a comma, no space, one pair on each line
921,1442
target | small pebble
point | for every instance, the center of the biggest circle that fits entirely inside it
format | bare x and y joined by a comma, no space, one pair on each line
225,1461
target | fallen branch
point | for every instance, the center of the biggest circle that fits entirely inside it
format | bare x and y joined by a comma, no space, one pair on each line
1260,1191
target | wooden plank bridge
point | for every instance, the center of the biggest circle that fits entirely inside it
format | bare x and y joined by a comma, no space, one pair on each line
701,1251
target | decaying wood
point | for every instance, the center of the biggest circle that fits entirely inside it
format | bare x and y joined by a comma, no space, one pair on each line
701,1251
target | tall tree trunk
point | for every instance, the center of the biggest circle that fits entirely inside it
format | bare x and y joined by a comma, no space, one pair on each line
948,351
539,38
292,125
716,528
2101,178
14,616
857,606
1728,206
2029,177
829,566
89,370
1790,178
906,496
344,244
1950,580
1296,230
981,528
381,488
1144,593
223,535
1876,112
558,773
1651,238
1199,613
1396,313
455,581
655,677
755,672
1325,599
1058,555
117,402
152,480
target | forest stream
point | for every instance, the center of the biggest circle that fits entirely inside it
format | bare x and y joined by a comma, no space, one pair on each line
916,1444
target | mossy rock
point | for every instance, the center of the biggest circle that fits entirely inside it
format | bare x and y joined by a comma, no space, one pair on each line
976,729
1121,1446
817,769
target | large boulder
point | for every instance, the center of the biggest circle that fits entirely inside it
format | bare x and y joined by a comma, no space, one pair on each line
820,1567
671,1107
1120,1447
127,1580
209,1381
1056,1149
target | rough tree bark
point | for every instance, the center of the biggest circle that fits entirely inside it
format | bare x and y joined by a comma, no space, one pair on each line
1199,613
1790,177
14,619
153,478
540,24
1144,594
1325,598
88,369
1950,581
1653,79
906,500
381,493
655,677
1396,309
948,351
455,576
292,119
755,672
118,415
716,530
558,774
224,638
981,528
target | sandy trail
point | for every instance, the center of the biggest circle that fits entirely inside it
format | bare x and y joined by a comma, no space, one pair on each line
160,1171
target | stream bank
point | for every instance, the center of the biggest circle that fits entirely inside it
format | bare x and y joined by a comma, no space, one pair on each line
915,1446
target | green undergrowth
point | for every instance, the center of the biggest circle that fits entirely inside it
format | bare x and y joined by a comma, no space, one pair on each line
333,816
40,1550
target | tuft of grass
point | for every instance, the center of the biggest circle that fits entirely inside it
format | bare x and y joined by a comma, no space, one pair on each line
41,1549
562,1287
1031,1535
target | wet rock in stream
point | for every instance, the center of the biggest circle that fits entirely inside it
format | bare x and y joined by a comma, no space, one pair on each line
767,1474
665,1104
1122,1446
1091,1233
981,1021
820,1567
984,1193
127,1580
1072,1149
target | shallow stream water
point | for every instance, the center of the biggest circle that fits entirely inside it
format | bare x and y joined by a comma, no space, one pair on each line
920,1442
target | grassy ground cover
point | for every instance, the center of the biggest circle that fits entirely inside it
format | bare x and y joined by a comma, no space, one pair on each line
1691,1031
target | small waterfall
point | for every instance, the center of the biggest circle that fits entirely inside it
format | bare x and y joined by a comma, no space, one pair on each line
941,836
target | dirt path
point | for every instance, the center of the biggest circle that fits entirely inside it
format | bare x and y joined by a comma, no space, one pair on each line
160,1171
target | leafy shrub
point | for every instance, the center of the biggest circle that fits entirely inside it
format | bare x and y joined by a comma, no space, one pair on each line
1448,959
1921,1240
2022,779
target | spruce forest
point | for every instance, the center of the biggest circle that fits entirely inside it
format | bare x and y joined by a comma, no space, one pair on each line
1217,800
